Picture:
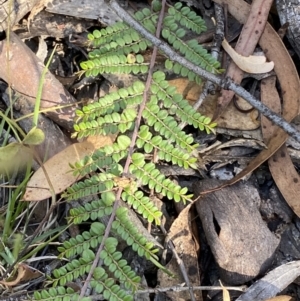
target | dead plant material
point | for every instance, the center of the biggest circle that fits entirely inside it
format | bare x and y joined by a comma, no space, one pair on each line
239,239
59,170
25,273
273,283
22,70
181,236
288,79
280,164
248,39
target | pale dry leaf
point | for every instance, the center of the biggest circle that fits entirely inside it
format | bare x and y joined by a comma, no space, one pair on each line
58,168
250,64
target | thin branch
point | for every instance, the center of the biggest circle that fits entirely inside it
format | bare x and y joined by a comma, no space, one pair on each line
226,83
184,288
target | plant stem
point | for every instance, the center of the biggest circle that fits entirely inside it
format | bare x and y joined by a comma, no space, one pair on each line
128,160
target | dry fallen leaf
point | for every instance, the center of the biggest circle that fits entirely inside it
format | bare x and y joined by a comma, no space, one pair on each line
26,70
25,273
250,64
58,168
281,166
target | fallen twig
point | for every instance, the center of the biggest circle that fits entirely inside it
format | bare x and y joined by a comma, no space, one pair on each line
184,288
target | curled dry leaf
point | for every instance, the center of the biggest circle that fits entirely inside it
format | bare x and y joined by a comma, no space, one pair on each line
250,64
25,273
59,171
